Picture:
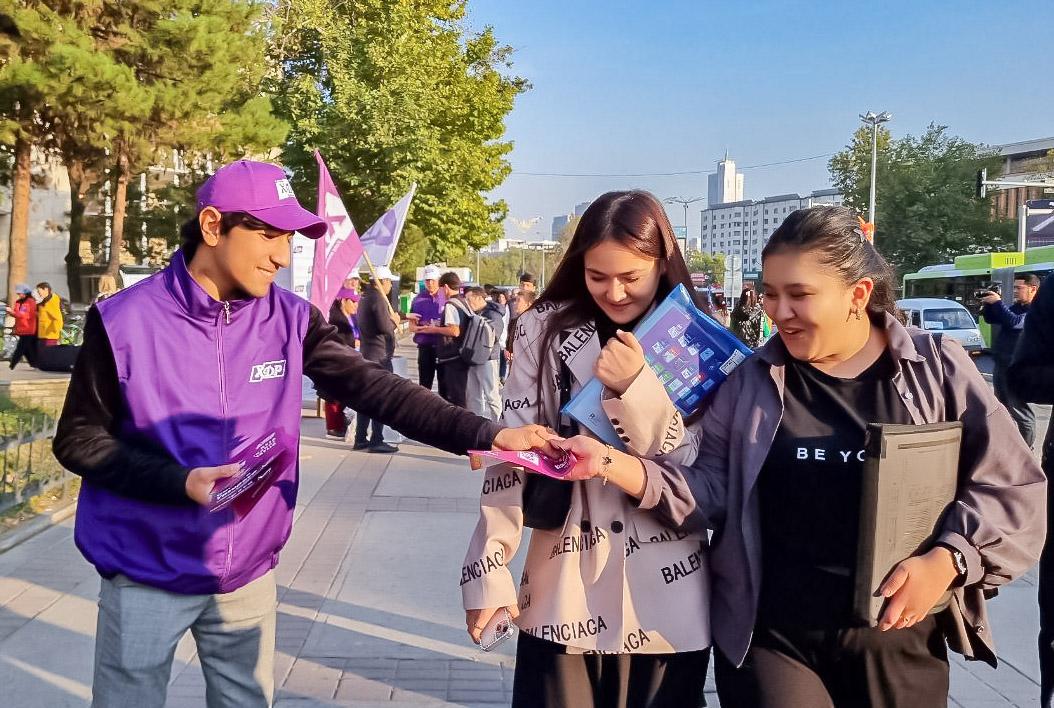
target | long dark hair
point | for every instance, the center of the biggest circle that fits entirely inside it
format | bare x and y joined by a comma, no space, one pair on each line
634,219
835,235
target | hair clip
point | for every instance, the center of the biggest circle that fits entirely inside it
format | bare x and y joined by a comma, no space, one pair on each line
866,231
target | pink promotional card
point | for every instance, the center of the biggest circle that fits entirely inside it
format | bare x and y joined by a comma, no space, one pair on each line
533,460
260,462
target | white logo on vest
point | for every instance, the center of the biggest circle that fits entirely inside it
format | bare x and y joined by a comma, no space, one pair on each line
267,370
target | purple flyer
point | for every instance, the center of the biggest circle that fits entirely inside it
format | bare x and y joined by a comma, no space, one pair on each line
260,462
533,461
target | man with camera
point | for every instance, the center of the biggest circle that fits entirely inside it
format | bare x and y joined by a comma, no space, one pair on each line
1011,320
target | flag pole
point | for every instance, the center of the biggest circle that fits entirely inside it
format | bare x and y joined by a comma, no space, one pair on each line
373,274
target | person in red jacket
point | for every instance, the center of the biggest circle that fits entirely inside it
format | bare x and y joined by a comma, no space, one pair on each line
25,314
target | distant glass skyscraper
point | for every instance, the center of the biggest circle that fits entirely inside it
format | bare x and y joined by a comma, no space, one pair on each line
559,224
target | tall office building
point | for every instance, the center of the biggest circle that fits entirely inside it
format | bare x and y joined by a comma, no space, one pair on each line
559,224
726,185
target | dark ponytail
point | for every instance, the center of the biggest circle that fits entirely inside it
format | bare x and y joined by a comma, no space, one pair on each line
834,234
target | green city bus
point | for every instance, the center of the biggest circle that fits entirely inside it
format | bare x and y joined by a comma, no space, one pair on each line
959,280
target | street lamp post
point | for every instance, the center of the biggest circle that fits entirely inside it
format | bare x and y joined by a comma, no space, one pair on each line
874,120
684,202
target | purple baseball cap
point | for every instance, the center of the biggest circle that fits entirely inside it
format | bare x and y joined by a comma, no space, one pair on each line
263,191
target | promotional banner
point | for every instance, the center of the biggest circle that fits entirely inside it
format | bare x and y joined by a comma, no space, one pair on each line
342,247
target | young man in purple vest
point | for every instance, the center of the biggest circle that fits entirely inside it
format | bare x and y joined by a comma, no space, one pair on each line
427,309
176,377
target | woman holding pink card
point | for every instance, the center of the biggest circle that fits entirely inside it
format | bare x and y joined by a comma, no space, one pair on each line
613,602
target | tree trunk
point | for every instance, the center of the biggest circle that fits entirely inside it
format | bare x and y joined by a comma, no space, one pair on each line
78,185
120,208
18,253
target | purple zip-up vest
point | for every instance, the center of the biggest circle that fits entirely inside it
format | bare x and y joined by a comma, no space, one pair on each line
201,379
430,308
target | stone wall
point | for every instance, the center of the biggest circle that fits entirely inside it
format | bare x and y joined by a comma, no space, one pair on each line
46,394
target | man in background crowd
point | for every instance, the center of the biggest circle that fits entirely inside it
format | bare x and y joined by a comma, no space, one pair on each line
452,371
1011,320
377,323
528,284
482,391
25,313
427,310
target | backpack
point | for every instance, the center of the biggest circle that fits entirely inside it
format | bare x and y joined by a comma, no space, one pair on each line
474,345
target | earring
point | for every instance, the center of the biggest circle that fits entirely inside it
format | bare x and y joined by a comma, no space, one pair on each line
856,312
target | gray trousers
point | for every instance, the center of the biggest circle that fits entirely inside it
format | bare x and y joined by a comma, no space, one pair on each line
140,626
484,398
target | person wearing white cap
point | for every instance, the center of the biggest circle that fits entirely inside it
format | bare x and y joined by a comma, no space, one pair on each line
426,310
353,280
377,324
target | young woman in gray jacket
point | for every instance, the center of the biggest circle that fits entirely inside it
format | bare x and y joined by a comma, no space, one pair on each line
778,480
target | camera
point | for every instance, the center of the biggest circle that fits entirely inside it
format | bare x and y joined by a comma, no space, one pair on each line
992,288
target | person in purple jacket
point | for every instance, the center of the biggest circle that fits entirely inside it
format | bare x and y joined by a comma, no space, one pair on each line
427,310
180,375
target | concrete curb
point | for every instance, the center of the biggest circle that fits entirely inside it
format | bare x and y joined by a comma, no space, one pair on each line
34,526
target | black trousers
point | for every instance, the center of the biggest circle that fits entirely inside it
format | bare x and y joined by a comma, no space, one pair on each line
26,347
373,428
548,677
453,382
843,668
1019,409
426,366
1046,586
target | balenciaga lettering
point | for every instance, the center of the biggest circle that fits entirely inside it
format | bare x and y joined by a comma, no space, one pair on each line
543,307
673,431
631,546
683,568
501,482
576,340
569,631
515,404
477,569
584,541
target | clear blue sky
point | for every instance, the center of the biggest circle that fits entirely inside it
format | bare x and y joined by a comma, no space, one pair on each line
632,87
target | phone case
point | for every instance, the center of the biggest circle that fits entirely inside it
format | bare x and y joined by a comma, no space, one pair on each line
497,630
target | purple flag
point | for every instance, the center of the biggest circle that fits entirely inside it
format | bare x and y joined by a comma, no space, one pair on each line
336,254
382,238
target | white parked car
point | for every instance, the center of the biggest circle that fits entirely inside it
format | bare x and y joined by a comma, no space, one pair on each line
935,314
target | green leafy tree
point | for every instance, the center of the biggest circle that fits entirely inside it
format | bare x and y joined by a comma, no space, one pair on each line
927,211
713,265
40,63
393,93
198,67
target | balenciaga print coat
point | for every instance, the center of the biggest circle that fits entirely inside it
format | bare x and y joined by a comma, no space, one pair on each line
619,576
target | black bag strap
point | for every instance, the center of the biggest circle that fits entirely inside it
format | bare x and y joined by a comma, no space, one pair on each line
566,427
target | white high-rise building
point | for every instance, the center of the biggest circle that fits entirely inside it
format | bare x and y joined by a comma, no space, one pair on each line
743,227
726,185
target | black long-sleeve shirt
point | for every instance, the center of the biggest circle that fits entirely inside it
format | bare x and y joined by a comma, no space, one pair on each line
87,440
1031,372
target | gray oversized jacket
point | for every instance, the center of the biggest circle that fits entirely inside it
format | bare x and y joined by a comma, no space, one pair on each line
998,520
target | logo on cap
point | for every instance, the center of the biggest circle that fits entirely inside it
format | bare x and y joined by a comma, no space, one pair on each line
285,190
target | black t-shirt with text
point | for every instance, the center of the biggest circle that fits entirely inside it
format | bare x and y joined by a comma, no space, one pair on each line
810,488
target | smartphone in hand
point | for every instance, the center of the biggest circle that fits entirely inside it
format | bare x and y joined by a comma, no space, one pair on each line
497,630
